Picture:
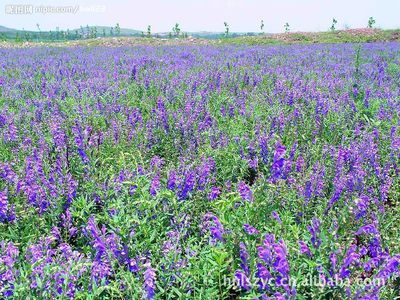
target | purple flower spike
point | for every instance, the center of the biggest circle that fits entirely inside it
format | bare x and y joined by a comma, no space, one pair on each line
149,281
215,192
275,215
242,280
368,229
304,248
155,185
250,229
245,191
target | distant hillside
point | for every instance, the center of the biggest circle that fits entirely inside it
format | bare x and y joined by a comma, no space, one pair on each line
83,32
6,29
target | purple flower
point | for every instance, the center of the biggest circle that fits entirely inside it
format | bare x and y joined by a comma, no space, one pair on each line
84,157
149,281
275,215
57,269
263,275
67,224
187,187
281,264
368,229
277,168
300,164
242,280
171,183
265,251
304,248
244,257
250,229
133,73
280,151
215,192
156,162
132,265
392,266
245,191
374,247
59,136
214,226
3,121
3,207
9,273
333,260
155,185
314,230
351,257
274,254
216,233
335,197
279,296
98,242
204,173
362,206
7,213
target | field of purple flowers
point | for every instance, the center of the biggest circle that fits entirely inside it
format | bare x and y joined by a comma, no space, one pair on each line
200,172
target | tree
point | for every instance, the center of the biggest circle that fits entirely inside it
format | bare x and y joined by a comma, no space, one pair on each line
226,29
93,32
371,22
82,32
117,29
111,31
104,32
26,35
176,30
287,27
149,31
333,26
17,38
262,25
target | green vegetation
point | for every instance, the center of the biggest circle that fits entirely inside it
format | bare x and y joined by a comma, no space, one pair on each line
338,36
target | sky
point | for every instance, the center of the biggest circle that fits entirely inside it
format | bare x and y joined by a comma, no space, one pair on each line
202,15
